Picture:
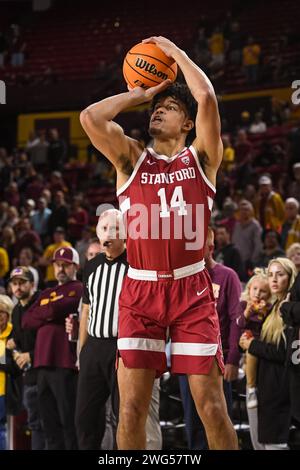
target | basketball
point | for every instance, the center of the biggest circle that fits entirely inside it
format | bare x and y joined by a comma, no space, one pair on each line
146,65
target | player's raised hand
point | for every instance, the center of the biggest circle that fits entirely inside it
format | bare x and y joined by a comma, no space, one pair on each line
167,46
145,95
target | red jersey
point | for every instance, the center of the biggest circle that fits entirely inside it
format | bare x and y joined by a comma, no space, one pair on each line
166,204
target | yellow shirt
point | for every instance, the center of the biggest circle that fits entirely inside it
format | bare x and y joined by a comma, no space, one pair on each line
48,254
228,158
3,338
4,262
251,54
217,44
294,233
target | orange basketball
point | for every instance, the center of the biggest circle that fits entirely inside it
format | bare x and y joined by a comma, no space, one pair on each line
146,65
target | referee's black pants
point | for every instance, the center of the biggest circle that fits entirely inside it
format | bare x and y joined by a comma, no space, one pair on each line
96,382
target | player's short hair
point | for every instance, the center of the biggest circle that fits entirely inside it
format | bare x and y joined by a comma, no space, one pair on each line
180,92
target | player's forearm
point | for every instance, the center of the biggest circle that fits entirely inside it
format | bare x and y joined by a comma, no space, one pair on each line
197,81
109,108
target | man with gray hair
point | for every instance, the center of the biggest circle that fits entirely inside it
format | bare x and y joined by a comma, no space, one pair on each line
102,282
246,235
291,228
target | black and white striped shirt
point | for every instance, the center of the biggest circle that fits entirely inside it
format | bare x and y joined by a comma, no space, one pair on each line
102,280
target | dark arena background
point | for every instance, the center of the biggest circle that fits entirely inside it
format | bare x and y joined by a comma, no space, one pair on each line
58,57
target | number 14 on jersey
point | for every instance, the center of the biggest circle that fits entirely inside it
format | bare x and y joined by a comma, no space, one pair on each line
176,201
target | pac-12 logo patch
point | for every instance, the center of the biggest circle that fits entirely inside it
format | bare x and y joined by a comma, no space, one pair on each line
186,160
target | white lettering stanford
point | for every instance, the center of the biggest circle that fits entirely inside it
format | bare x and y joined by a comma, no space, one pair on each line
168,178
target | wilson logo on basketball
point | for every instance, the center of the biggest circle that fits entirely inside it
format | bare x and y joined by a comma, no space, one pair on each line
150,68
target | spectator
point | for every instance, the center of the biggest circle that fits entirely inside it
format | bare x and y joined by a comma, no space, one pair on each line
243,157
78,219
17,47
26,259
293,253
273,392
217,48
269,206
4,264
57,151
26,237
38,152
40,219
227,217
246,235
226,253
271,248
29,208
8,241
12,195
227,291
228,154
290,310
255,306
12,217
244,123
57,183
291,228
294,187
47,258
6,307
46,193
258,126
60,213
83,244
235,39
3,213
23,342
251,58
54,354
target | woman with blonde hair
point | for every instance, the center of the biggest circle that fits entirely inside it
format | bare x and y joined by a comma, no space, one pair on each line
273,393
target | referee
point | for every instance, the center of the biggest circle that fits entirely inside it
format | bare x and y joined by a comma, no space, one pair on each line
102,279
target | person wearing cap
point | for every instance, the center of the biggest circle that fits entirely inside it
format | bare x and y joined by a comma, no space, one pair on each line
46,259
6,306
269,206
54,355
22,342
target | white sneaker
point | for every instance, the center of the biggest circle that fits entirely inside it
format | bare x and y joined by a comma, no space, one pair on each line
251,399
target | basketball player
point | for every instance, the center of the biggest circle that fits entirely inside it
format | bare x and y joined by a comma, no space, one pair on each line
167,286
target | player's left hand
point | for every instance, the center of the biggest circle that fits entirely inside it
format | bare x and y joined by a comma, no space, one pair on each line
167,46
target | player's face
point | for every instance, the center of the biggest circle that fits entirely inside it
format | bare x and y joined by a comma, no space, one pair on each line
168,118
